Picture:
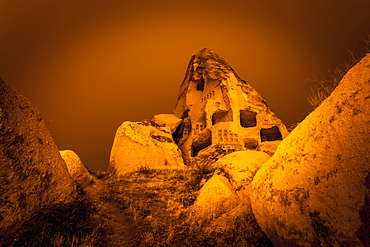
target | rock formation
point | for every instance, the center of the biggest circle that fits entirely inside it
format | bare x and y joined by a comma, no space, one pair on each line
216,197
169,122
142,145
241,167
224,199
216,113
218,107
32,174
76,168
315,190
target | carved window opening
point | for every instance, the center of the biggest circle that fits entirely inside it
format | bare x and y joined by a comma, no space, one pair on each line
222,116
220,135
248,118
208,96
200,85
270,134
185,114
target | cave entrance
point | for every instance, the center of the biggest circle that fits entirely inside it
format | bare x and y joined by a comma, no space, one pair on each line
183,130
200,85
201,142
222,116
248,118
270,134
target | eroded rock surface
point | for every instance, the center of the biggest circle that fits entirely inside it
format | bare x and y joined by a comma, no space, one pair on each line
171,121
315,189
76,168
216,197
241,166
32,173
215,100
143,146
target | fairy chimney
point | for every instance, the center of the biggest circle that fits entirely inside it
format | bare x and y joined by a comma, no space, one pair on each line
218,107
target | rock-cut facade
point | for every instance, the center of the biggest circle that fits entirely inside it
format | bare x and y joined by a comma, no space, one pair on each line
218,107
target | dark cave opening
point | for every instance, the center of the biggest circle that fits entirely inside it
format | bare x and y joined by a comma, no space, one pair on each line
248,118
270,134
201,142
200,85
222,116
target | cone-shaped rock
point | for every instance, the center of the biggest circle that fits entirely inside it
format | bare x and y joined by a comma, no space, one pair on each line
32,173
315,190
218,107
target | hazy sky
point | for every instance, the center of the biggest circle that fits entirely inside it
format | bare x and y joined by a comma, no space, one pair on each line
89,65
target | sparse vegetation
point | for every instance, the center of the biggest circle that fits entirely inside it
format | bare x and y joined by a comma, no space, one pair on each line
159,202
74,224
324,87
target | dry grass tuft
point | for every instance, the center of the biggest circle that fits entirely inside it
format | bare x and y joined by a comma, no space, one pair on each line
324,87
159,202
74,224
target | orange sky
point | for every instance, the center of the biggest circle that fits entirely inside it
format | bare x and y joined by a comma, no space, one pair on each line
89,65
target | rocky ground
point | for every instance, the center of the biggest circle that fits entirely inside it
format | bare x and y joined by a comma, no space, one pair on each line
120,230
158,205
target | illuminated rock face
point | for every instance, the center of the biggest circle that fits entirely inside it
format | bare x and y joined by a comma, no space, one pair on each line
217,107
32,173
169,121
143,146
224,199
315,190
216,197
76,168
241,166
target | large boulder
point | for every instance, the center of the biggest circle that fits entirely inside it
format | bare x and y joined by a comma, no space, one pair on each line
216,197
76,168
241,166
141,145
32,173
315,190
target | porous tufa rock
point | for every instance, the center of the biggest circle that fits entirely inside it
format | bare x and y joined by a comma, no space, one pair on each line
315,189
141,145
241,166
76,168
268,147
215,198
171,121
212,96
32,174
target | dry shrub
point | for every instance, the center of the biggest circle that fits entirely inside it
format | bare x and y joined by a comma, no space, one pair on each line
159,202
324,87
73,224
